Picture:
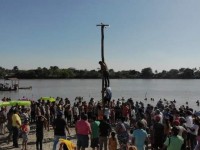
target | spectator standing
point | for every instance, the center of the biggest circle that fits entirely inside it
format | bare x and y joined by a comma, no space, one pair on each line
2,121
9,125
83,129
122,133
75,113
193,133
118,112
59,126
158,133
16,124
104,131
95,133
47,115
140,136
175,141
40,123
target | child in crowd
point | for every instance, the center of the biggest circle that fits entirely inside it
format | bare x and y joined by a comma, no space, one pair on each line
40,123
112,141
25,131
130,145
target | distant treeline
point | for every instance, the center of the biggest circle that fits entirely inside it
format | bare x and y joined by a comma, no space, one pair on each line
55,72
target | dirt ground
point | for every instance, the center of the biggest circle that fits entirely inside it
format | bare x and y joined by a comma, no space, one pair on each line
47,142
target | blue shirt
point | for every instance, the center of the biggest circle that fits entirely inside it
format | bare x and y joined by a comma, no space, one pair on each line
140,136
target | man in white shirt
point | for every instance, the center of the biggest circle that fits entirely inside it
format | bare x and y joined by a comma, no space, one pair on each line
193,131
108,95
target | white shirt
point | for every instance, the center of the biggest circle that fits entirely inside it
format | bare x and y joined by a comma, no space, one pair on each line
189,121
196,128
76,111
107,112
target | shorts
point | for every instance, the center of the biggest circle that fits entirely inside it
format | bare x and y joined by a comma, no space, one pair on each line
82,141
94,142
25,137
107,99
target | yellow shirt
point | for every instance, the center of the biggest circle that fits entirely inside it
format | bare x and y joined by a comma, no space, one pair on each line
15,118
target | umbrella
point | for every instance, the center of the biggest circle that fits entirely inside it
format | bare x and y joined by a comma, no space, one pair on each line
51,99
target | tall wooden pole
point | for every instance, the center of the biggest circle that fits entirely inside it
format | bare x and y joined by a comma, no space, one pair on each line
102,53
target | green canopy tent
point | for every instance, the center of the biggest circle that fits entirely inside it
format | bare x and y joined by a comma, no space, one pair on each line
20,103
50,99
2,104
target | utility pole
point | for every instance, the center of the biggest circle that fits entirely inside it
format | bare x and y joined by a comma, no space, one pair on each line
102,53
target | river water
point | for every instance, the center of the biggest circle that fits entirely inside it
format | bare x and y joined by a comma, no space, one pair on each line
181,90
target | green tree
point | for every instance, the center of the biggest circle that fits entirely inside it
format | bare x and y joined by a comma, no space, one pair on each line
172,74
147,73
187,74
2,72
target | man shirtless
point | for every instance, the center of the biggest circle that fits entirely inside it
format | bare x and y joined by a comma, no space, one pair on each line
105,72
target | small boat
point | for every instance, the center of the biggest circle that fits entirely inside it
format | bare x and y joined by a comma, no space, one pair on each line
25,88
13,86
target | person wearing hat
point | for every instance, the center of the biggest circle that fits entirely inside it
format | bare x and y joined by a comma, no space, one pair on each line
174,142
59,126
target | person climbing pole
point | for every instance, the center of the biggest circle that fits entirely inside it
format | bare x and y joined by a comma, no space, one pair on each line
105,73
108,95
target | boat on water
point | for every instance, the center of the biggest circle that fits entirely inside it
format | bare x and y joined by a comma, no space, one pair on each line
26,88
12,85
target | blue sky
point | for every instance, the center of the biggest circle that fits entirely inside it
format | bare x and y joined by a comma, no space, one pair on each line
161,34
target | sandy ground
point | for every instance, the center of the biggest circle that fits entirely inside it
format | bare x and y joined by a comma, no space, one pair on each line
47,142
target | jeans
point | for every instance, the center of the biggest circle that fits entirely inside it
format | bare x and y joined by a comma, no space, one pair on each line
39,139
103,140
106,78
9,137
56,139
2,128
15,136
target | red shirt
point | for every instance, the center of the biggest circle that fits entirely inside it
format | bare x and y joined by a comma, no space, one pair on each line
125,111
83,127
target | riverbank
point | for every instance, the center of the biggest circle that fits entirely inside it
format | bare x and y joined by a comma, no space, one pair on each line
181,90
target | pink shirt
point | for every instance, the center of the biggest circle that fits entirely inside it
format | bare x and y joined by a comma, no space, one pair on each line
83,127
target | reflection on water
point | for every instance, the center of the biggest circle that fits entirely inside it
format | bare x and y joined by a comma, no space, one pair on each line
181,90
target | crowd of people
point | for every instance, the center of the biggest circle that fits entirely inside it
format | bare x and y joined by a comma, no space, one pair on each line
123,123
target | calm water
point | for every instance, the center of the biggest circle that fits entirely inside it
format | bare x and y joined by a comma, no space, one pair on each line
181,90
